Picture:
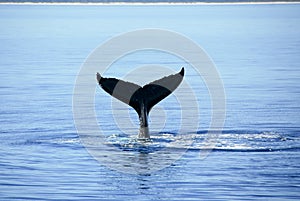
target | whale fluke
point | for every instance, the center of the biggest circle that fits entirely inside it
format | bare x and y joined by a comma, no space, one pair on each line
142,99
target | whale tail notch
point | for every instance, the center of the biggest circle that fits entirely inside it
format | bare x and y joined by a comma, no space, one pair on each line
142,99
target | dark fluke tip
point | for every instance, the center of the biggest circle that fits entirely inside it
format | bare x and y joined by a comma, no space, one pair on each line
98,77
182,72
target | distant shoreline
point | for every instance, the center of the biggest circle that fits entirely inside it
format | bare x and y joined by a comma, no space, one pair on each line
70,3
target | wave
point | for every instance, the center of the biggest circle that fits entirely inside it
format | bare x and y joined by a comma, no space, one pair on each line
227,141
259,149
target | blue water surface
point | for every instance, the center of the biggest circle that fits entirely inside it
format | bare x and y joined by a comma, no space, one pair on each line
256,51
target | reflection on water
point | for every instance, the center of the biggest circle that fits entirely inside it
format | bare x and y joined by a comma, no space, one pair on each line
130,155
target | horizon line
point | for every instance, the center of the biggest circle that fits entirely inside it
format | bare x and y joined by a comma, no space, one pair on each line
151,3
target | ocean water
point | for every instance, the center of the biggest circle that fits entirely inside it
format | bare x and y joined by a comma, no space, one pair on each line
256,51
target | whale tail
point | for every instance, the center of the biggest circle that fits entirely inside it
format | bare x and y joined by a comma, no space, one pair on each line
142,99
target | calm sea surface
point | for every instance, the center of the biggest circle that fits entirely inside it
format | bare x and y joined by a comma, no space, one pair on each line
256,49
